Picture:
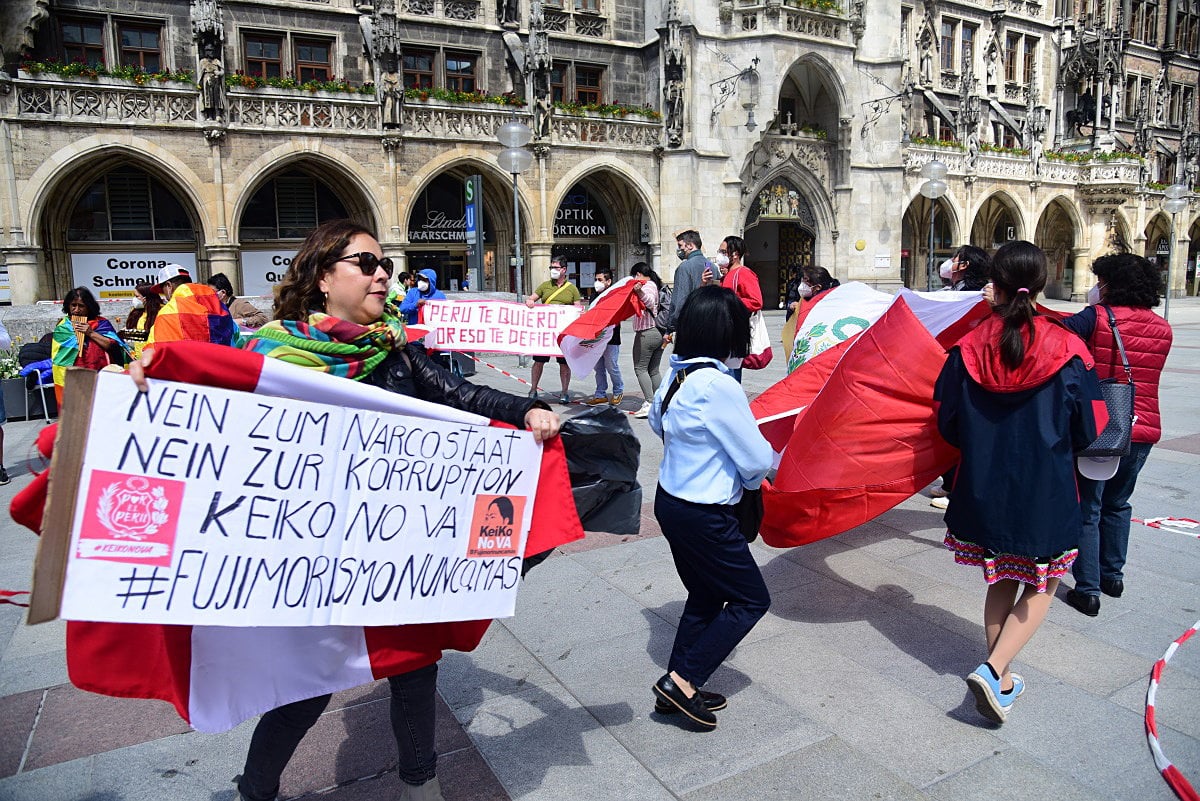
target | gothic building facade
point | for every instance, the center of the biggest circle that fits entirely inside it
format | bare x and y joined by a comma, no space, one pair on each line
217,134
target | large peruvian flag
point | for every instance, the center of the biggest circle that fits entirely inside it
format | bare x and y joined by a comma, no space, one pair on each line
217,677
583,341
855,422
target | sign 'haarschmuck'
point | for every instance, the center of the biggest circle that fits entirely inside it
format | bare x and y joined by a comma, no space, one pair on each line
206,506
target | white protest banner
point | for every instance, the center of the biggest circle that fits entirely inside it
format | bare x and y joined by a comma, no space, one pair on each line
263,269
498,326
114,275
205,506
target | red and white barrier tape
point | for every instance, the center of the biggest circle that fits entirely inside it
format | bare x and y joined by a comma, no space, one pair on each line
6,597
1176,780
1180,525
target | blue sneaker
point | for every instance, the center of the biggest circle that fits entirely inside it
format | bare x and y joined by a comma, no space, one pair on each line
989,700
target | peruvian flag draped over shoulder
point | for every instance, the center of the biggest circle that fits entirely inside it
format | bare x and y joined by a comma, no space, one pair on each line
854,422
217,677
583,341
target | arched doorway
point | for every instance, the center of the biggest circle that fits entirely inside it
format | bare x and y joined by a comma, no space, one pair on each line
780,238
997,222
115,230
284,208
1193,274
1057,237
917,270
1158,243
601,222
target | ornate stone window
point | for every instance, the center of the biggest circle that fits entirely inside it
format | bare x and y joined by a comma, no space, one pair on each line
460,72
312,60
418,68
140,45
262,54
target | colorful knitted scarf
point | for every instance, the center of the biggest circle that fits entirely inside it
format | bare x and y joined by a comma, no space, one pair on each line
64,348
331,344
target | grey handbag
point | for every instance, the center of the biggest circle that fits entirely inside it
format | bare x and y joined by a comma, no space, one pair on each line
1118,397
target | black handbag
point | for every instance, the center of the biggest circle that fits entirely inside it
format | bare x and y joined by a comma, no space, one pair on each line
749,509
1118,397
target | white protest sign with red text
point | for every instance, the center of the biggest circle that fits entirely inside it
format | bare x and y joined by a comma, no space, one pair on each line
496,326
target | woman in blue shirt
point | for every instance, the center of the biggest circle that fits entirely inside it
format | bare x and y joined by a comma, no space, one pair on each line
712,450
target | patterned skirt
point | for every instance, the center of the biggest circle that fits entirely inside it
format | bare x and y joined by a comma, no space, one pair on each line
1008,566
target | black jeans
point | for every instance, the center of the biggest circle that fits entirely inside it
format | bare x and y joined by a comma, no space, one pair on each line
726,592
280,731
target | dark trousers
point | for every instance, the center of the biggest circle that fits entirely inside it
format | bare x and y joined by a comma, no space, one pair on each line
1106,513
726,592
280,731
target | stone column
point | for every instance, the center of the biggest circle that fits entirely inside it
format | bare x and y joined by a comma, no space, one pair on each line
224,259
539,263
1081,273
24,274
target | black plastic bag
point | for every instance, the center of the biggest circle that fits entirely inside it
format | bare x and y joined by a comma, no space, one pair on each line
602,459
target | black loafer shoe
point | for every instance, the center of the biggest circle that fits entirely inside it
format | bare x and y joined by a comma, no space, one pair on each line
1112,587
693,707
713,702
1087,604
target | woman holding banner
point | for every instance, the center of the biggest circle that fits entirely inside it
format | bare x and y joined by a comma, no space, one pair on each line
712,452
334,314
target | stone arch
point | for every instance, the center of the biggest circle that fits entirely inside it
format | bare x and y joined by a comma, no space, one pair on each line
918,271
1059,234
1156,233
636,182
83,161
997,211
801,91
343,177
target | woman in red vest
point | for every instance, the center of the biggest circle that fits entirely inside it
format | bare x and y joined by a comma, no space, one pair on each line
1131,287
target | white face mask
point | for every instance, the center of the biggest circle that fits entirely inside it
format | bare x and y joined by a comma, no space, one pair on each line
721,260
1093,295
138,303
423,286
805,290
555,274
599,286
733,364
946,271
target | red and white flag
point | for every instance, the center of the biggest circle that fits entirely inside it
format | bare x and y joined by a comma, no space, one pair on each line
217,677
583,341
855,423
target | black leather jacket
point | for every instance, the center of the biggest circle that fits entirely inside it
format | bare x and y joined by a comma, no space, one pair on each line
410,371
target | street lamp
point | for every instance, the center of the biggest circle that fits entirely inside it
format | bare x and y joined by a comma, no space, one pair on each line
515,159
1175,201
934,187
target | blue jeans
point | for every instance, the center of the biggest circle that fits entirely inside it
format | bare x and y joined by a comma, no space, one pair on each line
609,365
277,734
1106,511
726,592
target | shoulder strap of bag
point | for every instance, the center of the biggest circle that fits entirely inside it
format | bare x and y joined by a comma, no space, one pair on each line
678,382
554,294
1112,323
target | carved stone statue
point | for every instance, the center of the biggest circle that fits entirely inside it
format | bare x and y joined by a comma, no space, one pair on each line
926,59
1035,155
992,67
1162,93
391,93
212,84
972,148
206,20
539,64
510,13
673,77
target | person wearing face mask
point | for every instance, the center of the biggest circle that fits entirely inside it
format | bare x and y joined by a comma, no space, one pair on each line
146,305
689,276
712,450
561,291
424,290
966,270
1130,286
609,366
738,278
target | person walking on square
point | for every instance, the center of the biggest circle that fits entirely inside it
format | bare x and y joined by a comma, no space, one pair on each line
1130,286
647,338
712,451
1017,396
557,290
689,275
5,344
609,366
739,278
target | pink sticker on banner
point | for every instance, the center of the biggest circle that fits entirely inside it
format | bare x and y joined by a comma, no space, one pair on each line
496,525
130,519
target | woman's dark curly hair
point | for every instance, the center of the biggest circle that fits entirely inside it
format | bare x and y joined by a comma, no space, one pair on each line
1129,280
299,293
85,296
975,274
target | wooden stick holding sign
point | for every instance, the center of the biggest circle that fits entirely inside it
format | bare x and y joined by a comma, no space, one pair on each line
196,505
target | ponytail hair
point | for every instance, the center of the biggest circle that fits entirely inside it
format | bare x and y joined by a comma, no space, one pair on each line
1019,273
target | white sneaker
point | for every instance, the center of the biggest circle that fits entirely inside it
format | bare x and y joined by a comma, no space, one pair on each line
940,503
643,411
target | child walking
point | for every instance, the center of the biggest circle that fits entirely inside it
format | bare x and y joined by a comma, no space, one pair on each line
1018,396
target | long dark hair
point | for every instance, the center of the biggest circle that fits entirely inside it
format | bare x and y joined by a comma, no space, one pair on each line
713,323
1019,272
1129,280
975,274
82,293
151,303
819,278
299,292
641,268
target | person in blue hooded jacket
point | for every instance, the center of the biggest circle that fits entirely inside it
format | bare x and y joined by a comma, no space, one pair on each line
414,299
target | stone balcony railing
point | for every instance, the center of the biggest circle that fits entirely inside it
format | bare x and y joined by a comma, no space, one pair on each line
115,102
788,16
1101,175
104,101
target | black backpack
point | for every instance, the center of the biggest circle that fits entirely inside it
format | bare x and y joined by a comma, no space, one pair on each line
662,317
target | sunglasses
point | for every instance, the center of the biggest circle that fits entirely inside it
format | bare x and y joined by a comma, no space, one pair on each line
368,262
